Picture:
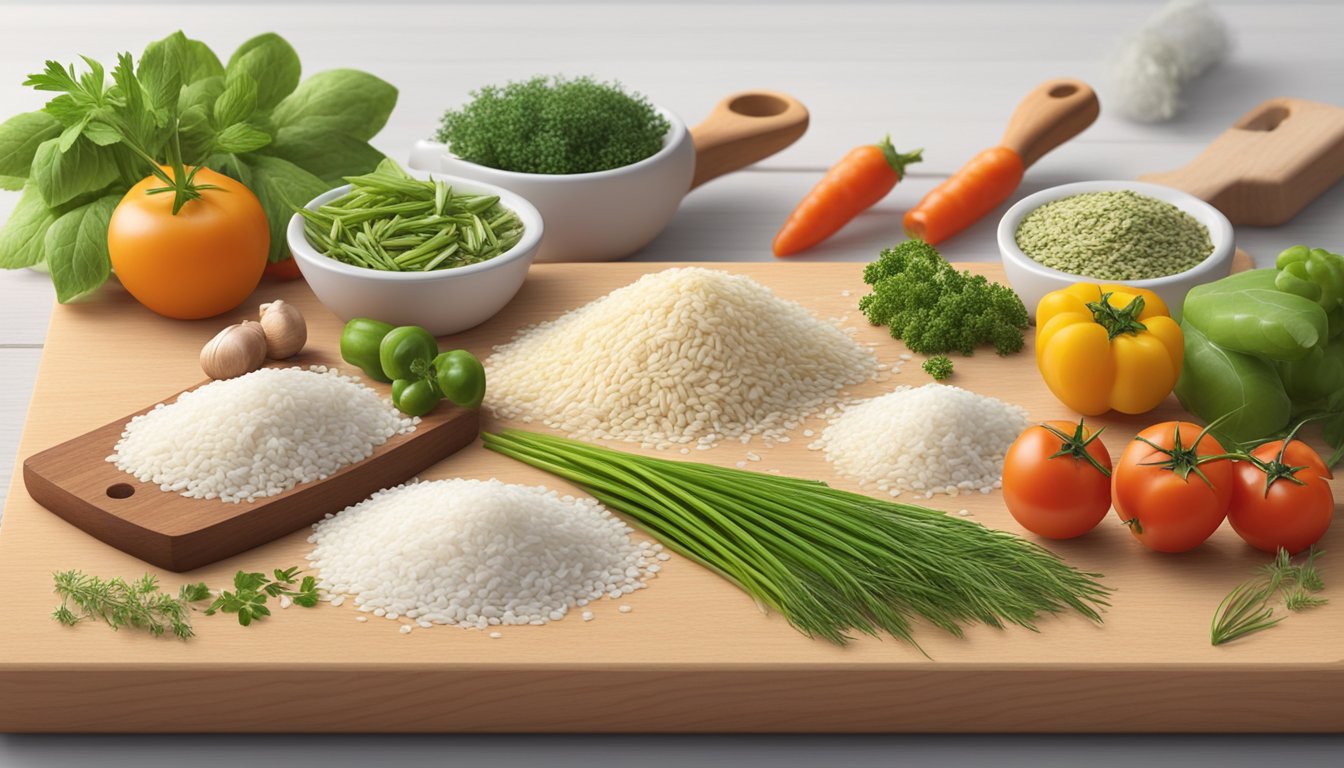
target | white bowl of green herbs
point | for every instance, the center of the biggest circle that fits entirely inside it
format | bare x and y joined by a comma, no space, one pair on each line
442,252
1128,232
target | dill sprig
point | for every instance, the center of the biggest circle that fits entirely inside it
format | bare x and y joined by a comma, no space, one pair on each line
119,603
830,561
1249,608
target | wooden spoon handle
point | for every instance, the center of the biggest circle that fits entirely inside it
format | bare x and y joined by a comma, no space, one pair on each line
745,128
1054,112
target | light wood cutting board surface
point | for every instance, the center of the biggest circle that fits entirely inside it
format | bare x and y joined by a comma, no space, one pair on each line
693,654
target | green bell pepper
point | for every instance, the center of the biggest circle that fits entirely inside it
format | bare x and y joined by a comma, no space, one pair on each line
415,397
1248,313
407,355
360,340
1242,390
461,377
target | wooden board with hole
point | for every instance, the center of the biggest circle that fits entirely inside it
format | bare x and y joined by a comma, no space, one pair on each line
693,655
171,531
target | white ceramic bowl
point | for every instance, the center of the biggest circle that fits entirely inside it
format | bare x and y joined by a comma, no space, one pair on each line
443,301
600,216
1032,280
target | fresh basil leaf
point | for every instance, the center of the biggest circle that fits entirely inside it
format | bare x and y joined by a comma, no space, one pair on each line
202,93
272,63
76,249
101,134
21,236
327,155
201,62
241,137
20,137
12,183
340,100
66,110
231,166
161,72
237,102
61,176
195,129
282,187
71,134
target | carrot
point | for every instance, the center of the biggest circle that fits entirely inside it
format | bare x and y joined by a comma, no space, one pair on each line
854,184
987,180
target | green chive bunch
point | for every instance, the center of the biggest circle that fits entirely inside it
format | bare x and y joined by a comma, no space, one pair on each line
830,561
394,222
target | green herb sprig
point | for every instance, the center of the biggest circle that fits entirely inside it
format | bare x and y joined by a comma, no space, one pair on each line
1249,608
394,222
830,561
141,604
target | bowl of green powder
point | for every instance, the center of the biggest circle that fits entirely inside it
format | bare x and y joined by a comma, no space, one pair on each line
1130,232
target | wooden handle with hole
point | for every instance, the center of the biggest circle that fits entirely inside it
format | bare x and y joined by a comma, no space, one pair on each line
1054,112
743,129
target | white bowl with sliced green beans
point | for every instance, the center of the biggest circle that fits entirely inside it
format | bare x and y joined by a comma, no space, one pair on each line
438,251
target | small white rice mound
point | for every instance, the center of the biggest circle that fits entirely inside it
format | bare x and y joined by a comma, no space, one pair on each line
682,356
477,553
257,435
930,439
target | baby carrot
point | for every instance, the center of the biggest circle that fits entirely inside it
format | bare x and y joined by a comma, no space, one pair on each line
854,184
987,180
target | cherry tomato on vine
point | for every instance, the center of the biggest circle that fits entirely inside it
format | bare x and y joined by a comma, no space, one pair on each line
1057,479
1172,486
1282,497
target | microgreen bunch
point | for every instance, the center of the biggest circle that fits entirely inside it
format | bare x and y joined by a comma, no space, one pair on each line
394,222
830,561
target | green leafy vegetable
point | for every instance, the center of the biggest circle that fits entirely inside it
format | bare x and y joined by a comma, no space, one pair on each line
250,591
554,126
936,309
938,366
829,561
252,120
1250,606
118,603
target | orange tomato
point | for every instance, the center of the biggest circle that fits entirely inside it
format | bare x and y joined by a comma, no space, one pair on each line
201,262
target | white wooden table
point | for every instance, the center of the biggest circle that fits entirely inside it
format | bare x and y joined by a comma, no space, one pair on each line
941,76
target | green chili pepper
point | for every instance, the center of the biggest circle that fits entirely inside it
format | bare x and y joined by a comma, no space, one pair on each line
360,340
407,355
1248,313
461,377
1219,383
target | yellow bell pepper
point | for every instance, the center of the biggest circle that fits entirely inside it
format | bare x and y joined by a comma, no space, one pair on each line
1107,347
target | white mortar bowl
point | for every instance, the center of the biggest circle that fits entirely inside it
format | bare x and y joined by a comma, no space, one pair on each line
443,301
1032,280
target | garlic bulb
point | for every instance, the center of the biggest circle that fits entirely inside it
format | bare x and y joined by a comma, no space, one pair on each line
284,328
234,351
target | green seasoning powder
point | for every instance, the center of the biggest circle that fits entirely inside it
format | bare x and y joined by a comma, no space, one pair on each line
1118,235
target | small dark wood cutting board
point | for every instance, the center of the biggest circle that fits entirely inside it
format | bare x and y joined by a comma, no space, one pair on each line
75,481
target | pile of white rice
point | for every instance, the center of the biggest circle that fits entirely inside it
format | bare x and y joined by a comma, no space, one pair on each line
477,553
257,435
678,357
933,439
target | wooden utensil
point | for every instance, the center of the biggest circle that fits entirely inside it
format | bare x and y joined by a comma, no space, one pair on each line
1054,112
745,128
171,531
1269,165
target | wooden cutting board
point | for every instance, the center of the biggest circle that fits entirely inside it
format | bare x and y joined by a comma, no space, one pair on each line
171,531
694,654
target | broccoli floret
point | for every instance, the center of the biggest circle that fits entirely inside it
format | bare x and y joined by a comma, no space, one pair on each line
936,309
554,126
938,366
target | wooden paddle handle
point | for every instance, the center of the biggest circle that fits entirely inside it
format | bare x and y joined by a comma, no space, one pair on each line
745,128
1054,112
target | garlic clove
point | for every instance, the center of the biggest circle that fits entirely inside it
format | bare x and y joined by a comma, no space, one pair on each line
285,329
234,351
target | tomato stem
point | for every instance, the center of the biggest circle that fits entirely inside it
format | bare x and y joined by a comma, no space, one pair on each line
1075,445
1118,320
1183,460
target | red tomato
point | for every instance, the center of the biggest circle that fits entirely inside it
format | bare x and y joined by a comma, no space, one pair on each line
1170,501
1286,514
1056,479
283,270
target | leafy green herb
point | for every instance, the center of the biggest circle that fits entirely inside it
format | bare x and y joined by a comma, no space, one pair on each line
250,591
286,140
118,603
142,605
554,126
1249,608
936,309
830,561
396,223
938,366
